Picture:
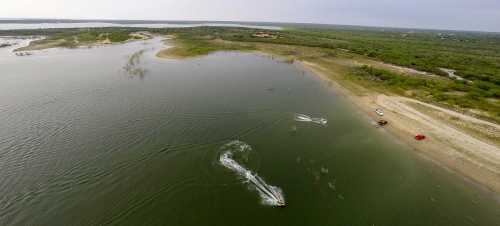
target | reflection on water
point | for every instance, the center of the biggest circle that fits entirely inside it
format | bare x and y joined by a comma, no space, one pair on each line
84,144
133,66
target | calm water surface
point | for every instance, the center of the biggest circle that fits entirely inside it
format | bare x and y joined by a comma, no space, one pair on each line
114,136
22,26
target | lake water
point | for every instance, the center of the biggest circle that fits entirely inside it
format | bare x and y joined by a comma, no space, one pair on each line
114,136
46,25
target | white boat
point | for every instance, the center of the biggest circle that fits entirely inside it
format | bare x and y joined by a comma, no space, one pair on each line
306,118
379,112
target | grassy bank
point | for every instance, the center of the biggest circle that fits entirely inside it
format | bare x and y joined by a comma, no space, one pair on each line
476,95
454,94
364,56
193,46
363,65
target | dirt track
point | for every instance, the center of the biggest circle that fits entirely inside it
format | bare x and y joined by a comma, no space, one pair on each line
451,146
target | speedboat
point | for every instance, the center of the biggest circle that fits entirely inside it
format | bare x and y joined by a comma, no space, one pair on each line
281,204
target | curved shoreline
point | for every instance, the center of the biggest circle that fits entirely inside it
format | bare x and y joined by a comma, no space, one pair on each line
447,146
451,147
454,149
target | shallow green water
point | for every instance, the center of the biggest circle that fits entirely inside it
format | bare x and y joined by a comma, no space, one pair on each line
86,142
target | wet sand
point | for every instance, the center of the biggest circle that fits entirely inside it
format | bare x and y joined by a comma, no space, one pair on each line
453,148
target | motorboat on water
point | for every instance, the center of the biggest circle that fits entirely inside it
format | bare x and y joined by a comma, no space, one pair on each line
281,204
320,121
306,118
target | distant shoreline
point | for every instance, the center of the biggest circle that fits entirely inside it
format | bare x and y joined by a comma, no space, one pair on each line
250,23
8,25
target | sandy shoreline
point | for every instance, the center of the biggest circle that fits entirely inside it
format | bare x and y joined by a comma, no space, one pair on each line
39,44
450,147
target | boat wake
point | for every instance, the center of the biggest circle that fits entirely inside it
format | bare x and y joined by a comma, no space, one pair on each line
270,195
306,118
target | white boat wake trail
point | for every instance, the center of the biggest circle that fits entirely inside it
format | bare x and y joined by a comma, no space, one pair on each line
270,195
306,118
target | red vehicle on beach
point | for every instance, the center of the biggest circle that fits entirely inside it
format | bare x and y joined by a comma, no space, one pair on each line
420,137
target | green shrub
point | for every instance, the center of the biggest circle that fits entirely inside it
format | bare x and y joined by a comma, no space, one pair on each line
118,36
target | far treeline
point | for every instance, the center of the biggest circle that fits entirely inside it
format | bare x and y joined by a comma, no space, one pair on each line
475,56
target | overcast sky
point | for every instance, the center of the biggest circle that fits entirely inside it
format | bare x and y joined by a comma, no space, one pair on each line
446,14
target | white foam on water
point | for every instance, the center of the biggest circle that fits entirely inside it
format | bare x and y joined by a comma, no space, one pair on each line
306,118
270,195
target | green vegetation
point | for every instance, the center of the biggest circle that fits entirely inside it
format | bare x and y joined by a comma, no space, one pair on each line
474,56
89,37
456,94
118,36
113,37
133,66
188,45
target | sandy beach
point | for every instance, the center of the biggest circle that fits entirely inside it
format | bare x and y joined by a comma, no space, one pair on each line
458,142
448,145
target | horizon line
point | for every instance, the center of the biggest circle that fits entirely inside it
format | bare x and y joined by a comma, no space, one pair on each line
248,21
